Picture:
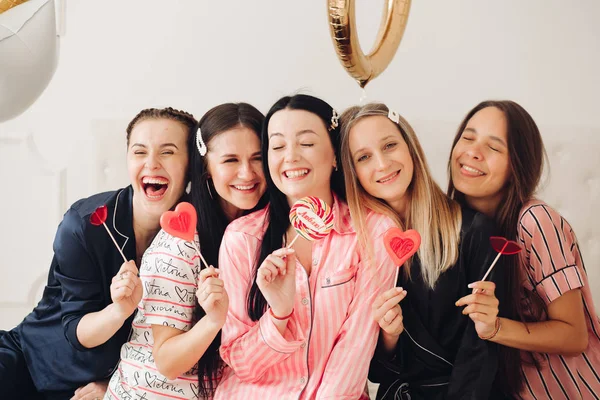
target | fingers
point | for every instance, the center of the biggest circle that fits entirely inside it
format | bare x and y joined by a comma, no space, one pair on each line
485,298
275,264
483,287
207,273
481,309
387,301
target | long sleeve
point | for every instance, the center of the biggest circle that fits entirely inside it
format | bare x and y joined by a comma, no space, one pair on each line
476,361
249,347
348,365
78,274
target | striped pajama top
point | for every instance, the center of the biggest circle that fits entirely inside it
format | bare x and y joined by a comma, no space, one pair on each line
331,337
553,265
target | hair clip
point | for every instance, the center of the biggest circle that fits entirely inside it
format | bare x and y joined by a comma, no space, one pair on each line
394,116
334,119
202,149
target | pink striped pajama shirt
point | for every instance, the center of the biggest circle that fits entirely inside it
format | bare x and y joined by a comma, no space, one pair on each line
553,265
329,340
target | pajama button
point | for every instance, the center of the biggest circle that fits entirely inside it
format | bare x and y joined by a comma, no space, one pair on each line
315,262
302,381
305,301
303,345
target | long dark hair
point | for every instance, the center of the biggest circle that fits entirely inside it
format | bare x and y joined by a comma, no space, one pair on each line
211,217
526,156
279,209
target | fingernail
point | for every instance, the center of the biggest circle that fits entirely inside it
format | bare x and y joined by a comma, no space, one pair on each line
470,285
399,289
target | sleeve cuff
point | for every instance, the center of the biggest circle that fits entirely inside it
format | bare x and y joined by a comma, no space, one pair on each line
558,283
269,333
71,334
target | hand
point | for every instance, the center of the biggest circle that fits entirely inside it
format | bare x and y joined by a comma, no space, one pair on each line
276,279
91,391
126,289
212,296
481,307
387,312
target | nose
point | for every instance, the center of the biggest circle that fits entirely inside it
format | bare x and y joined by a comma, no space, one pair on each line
382,161
474,151
152,161
291,153
245,171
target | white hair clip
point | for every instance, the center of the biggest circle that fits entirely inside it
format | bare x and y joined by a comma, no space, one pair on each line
394,116
334,119
202,149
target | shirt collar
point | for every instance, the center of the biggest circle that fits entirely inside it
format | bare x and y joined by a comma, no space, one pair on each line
342,223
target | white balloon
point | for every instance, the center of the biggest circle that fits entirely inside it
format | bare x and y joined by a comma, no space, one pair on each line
29,49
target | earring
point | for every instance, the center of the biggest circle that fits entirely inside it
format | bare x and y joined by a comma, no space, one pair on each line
209,191
188,188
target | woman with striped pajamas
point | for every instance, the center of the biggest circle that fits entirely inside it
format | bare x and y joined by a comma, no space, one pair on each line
553,335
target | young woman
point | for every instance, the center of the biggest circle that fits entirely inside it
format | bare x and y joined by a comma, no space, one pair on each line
173,350
298,323
427,348
495,165
74,334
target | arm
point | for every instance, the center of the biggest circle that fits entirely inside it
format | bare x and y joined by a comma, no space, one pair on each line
249,347
553,268
86,321
175,351
346,371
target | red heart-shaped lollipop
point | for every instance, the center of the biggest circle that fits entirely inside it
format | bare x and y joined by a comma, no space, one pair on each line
401,245
98,217
504,246
180,223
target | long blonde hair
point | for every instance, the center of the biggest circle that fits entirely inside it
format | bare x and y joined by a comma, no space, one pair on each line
436,217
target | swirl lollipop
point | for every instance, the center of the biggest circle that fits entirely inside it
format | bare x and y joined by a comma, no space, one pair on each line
312,218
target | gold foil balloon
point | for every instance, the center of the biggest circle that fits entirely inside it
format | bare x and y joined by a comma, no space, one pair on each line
7,4
342,24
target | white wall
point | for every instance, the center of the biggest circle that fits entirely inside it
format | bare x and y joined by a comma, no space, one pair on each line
121,56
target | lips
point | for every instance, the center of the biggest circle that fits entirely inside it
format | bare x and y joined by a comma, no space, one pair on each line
296,173
154,187
389,178
246,187
470,171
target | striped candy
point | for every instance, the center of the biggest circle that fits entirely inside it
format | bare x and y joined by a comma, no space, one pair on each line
312,218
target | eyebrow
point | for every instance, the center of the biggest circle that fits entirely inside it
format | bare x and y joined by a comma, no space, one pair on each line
230,155
492,137
382,140
162,145
302,132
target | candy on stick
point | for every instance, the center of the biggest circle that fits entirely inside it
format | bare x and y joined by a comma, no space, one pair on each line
401,246
181,223
97,218
312,219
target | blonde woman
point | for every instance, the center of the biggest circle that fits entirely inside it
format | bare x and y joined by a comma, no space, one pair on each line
427,348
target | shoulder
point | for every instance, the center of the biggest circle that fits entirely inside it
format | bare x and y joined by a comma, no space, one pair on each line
254,224
536,214
377,224
474,221
86,206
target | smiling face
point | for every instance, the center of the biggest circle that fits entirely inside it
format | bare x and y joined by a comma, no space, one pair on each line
480,164
235,167
382,160
301,156
157,160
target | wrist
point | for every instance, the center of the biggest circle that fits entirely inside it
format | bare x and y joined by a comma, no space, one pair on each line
117,313
389,341
497,326
281,316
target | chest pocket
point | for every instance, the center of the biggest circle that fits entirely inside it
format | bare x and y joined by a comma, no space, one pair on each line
339,277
